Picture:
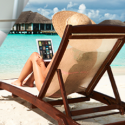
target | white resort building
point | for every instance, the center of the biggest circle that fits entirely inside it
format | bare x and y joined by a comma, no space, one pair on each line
32,23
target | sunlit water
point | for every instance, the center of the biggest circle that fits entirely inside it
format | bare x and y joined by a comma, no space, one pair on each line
17,48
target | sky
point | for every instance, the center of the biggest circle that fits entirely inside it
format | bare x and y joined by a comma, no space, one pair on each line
97,10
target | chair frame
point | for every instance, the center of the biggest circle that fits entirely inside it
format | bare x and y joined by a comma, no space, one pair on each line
79,32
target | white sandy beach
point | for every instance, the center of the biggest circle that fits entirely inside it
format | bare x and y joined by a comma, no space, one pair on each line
16,111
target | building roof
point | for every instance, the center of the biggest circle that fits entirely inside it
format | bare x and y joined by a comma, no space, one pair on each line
32,17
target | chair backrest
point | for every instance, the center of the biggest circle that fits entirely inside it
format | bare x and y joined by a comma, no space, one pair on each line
86,52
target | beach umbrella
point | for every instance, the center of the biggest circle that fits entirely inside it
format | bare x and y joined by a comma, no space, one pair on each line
9,12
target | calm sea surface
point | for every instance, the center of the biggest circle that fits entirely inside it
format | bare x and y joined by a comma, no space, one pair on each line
17,48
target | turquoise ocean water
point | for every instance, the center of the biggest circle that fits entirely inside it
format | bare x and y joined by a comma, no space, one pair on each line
17,48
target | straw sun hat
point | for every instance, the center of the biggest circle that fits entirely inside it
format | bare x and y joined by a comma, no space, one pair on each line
62,18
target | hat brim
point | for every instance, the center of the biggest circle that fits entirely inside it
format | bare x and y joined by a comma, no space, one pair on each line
59,21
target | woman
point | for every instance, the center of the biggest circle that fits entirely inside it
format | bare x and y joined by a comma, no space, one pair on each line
36,64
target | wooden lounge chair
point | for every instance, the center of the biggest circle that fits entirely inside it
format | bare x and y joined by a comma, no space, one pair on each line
108,41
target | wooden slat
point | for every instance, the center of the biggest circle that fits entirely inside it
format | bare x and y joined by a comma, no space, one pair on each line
98,34
96,37
63,93
94,110
73,100
115,89
103,98
98,29
95,116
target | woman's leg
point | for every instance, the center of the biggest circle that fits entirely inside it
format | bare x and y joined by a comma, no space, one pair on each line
40,71
27,69
36,65
30,81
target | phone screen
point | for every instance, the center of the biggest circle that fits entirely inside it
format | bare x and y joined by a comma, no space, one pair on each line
45,49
